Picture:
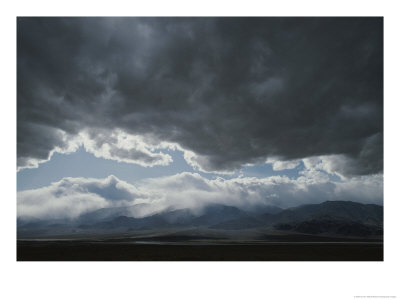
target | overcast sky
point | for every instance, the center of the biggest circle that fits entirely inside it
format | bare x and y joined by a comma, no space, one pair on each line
187,111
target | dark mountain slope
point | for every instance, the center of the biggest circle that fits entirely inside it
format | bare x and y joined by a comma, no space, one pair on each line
370,214
214,214
211,215
337,217
331,227
331,217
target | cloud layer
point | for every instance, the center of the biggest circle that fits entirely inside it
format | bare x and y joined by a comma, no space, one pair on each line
71,197
230,91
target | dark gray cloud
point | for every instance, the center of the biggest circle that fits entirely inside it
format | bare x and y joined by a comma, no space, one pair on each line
232,90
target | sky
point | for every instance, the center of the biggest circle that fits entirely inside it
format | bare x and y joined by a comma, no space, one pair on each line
183,112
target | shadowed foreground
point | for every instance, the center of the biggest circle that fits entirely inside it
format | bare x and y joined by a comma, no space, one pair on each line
103,251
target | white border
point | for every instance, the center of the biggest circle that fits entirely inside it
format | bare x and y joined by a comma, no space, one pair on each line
262,280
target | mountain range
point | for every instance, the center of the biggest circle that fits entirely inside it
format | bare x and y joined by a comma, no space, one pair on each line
334,218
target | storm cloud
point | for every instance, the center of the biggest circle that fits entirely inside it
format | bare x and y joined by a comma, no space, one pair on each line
229,91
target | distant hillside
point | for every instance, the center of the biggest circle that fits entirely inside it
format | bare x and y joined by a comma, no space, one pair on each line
338,217
332,227
211,215
339,210
343,218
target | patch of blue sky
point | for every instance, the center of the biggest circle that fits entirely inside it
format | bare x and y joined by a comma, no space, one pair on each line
84,164
266,170
333,177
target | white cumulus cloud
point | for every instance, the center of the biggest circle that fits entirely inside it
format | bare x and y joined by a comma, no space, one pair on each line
72,197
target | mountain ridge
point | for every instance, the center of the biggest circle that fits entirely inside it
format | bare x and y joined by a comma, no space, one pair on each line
328,217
